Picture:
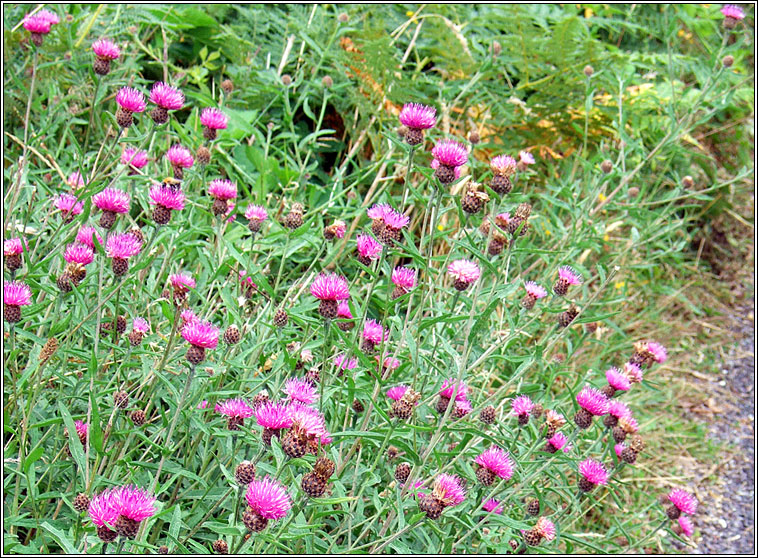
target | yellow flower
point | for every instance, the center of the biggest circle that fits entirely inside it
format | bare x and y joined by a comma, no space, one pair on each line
606,237
440,227
601,197
619,284
409,13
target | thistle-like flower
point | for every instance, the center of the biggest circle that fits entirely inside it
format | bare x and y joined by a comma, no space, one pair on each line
417,118
335,230
267,499
200,335
237,410
12,250
593,474
134,159
404,279
494,462
329,288
503,167
533,293
129,101
566,277
373,334
255,215
683,502
167,98
521,407
450,155
86,236
593,402
222,191
558,442
111,201
120,247
464,273
732,15
213,120
301,391
367,248
180,158
15,295
69,206
344,363
105,50
165,199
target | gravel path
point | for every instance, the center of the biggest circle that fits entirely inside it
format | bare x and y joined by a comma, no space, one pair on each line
726,518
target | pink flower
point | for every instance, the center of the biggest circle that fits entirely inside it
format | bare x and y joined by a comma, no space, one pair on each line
75,180
396,393
593,471
237,408
546,528
658,351
299,390
122,245
343,311
135,159
180,156
79,253
134,503
629,424
203,404
497,461
166,197
46,15
616,379
140,325
222,189
452,389
450,153
503,165
395,219
131,99
103,510
81,428
166,97
390,363
213,118
534,290
105,48
37,24
683,500
201,334
330,286
13,247
732,11
378,211
633,372
619,410
521,405
560,442
373,331
462,408
68,204
404,277
188,316
464,271
685,525
343,363
85,236
256,212
526,158
247,281
448,490
308,420
569,276
592,401
493,506
182,281
268,498
338,228
417,116
113,200
619,449
273,416
368,247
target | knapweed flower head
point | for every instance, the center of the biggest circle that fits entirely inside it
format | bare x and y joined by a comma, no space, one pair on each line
396,393
103,509
188,316
16,293
534,290
452,389
79,253
619,449
448,490
113,200
222,189
166,97
134,158
75,180
13,247
122,246
404,277
273,416
593,401
106,49
268,498
463,272
182,281
337,229
81,428
140,325
732,11
545,528
378,211
521,405
395,219
131,99
368,248
526,158
203,404
497,461
462,408
201,334
134,503
685,526
68,205
658,352
330,286
344,363
343,311
619,409
493,506
167,197
213,118
307,420
683,500
418,116
180,157
373,331
300,390
86,236
450,153
40,24
256,212
593,471
457,171
617,379
569,275
633,372
236,408
628,424
389,363
559,441
503,165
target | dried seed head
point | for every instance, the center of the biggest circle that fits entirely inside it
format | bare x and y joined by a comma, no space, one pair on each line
227,86
606,166
121,399
588,70
220,547
286,79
